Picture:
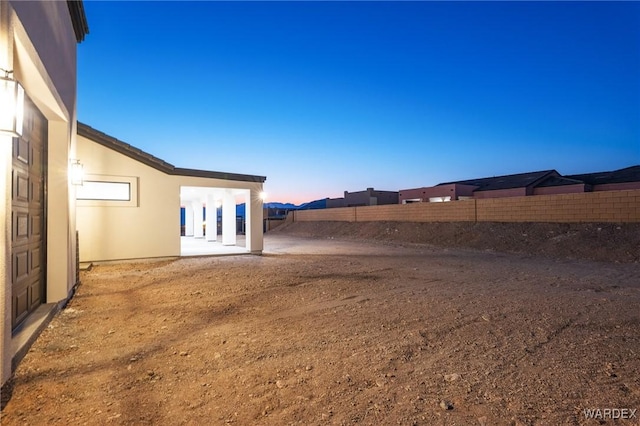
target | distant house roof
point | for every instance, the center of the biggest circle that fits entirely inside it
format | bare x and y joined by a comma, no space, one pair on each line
154,162
558,181
519,180
628,174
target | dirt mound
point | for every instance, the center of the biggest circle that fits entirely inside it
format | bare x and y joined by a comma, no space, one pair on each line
593,241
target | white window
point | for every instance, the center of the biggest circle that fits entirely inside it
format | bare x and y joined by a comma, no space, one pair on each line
103,190
439,199
112,191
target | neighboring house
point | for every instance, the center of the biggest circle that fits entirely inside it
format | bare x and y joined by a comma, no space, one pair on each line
275,216
493,187
38,43
627,178
560,185
516,185
335,202
440,193
277,213
545,182
369,197
133,200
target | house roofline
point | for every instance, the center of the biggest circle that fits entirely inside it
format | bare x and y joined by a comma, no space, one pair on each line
544,174
624,175
179,171
155,162
552,181
78,19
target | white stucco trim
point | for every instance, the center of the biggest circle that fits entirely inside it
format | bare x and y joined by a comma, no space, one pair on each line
31,72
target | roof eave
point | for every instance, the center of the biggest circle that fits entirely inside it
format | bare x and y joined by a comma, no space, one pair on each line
156,163
124,148
178,171
78,19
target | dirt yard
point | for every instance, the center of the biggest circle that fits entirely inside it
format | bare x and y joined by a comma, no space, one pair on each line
340,331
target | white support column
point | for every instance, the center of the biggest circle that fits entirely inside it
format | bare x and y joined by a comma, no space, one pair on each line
59,232
228,218
254,225
211,218
198,232
188,220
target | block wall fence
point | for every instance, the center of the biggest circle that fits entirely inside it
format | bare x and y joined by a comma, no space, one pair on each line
604,206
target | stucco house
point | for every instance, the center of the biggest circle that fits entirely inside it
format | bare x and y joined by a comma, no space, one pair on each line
520,184
439,193
615,180
368,197
546,182
128,206
38,45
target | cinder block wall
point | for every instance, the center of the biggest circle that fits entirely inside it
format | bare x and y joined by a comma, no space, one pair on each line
605,206
458,211
340,214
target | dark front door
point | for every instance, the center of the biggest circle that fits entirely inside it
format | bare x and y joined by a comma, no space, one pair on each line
27,216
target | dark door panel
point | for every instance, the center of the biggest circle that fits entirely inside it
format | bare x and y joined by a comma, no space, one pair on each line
28,206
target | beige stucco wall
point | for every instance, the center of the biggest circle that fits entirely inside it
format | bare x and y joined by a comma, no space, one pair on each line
151,227
113,232
38,43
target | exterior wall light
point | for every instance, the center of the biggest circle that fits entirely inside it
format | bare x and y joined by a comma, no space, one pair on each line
263,196
76,173
11,105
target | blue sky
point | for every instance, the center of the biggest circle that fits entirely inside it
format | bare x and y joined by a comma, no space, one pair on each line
323,97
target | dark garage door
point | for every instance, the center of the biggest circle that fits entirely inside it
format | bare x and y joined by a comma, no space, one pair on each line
27,216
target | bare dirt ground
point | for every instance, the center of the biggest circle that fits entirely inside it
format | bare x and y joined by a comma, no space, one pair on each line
342,331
